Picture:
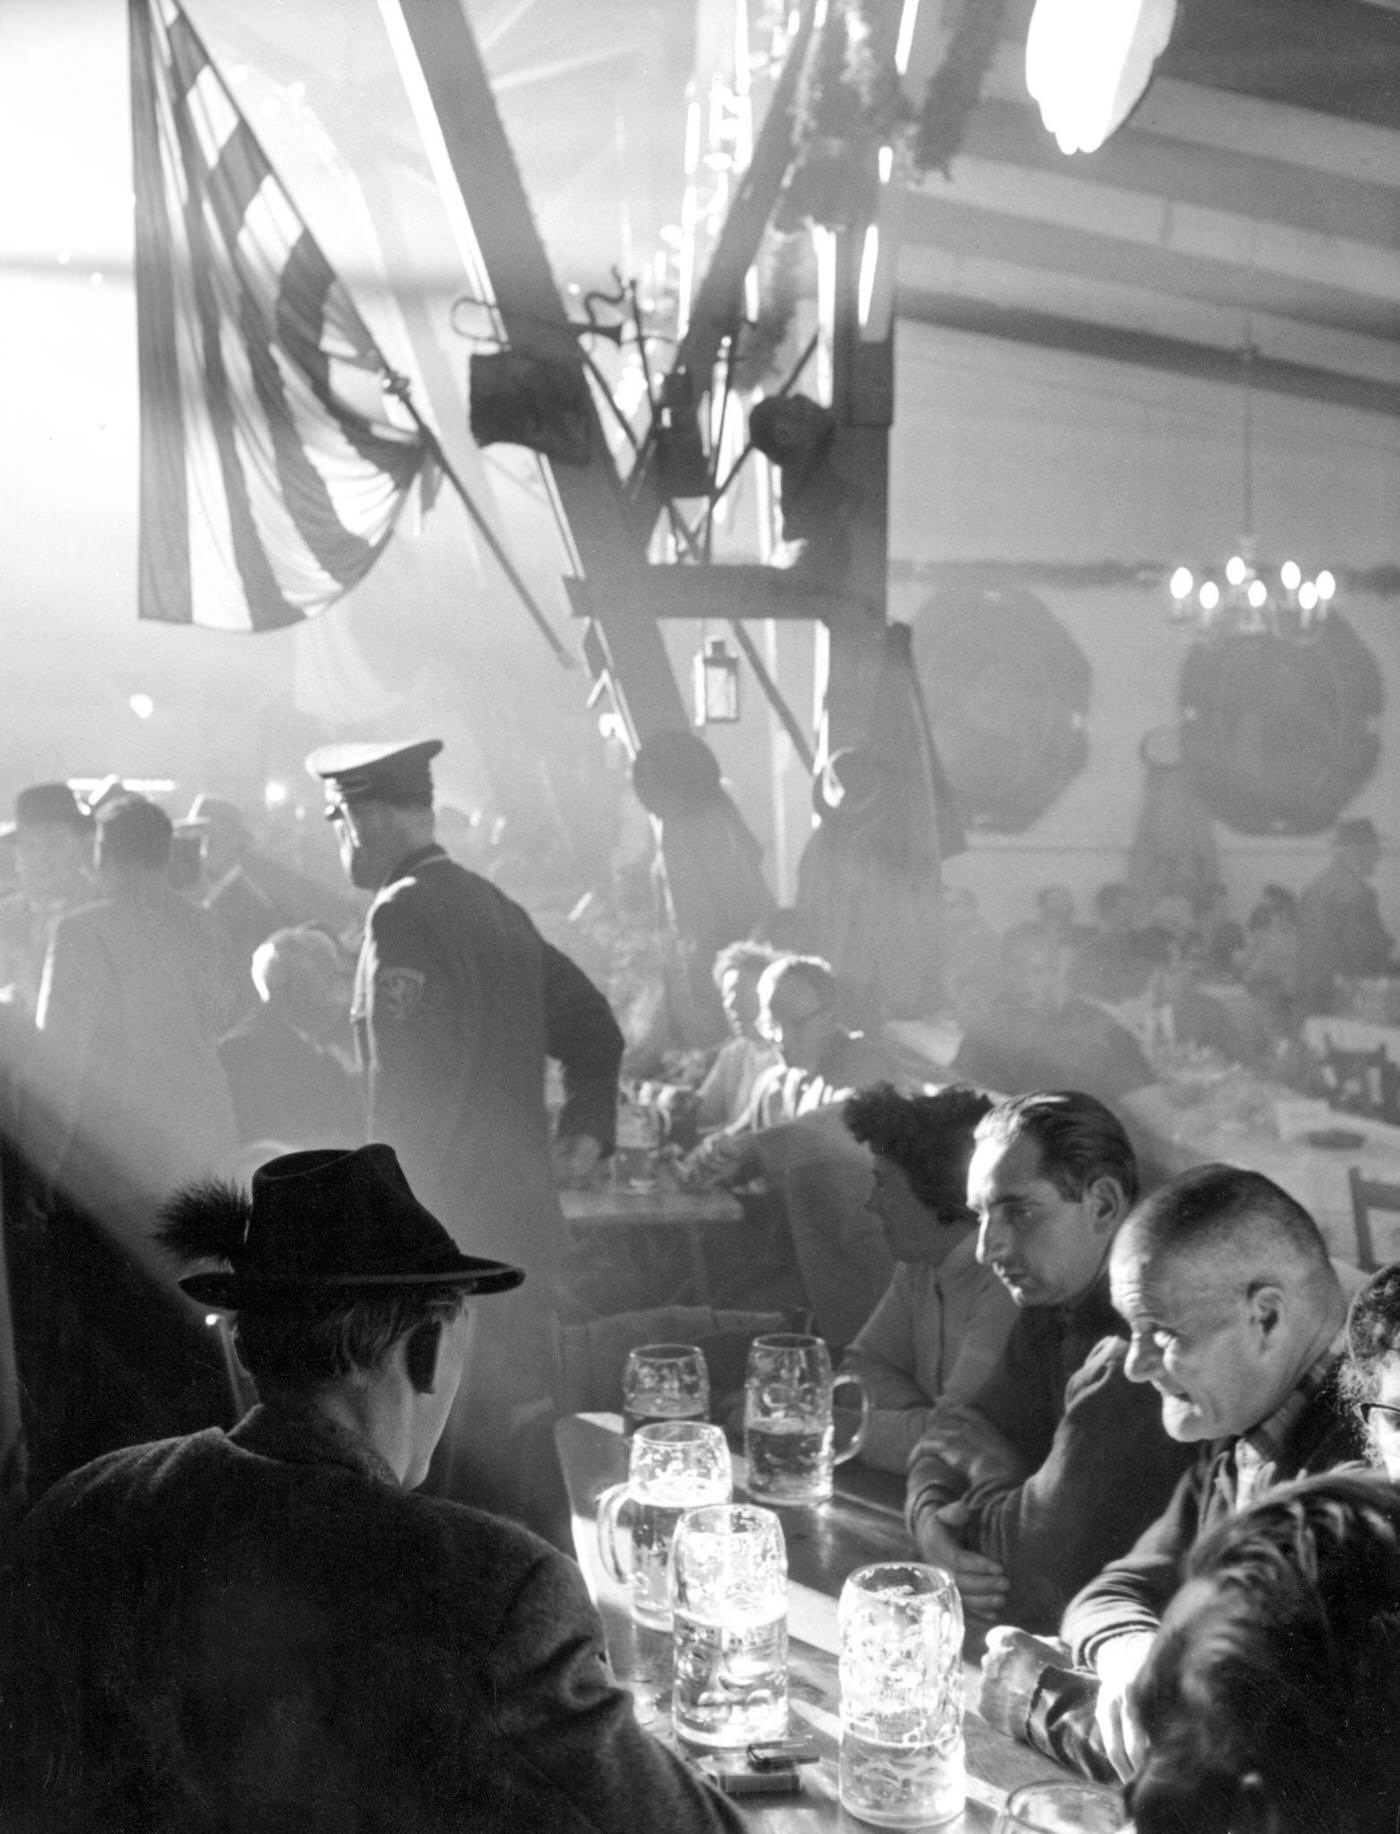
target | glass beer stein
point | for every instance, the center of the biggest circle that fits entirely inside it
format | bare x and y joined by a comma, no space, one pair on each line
902,1757
729,1609
789,1434
673,1465
664,1382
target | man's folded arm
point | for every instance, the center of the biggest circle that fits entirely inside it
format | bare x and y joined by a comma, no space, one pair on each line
1130,1594
1110,1471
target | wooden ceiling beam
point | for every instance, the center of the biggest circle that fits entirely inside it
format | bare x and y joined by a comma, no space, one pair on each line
1181,171
1111,343
1193,258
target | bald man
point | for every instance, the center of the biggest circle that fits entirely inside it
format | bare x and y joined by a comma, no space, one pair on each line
1237,1320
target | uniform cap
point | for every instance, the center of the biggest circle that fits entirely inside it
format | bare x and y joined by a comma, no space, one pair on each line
392,772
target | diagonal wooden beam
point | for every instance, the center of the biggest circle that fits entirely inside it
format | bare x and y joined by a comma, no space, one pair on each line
462,131
718,304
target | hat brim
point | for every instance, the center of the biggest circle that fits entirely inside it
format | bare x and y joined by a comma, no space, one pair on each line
231,1292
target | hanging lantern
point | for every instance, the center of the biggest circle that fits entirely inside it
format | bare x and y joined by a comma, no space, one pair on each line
716,683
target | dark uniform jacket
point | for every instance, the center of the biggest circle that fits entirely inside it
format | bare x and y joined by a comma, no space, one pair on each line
262,1633
1097,1463
458,1001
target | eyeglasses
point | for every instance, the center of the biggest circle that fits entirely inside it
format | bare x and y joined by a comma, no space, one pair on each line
775,1027
1381,1418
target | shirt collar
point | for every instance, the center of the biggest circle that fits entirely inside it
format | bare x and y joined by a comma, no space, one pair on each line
1262,1443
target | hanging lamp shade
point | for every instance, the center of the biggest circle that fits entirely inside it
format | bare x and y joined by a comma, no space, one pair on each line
1088,63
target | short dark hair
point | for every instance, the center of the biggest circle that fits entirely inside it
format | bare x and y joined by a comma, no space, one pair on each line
1215,1206
1080,1140
342,1337
744,956
1373,1336
135,832
929,1137
1278,1662
812,971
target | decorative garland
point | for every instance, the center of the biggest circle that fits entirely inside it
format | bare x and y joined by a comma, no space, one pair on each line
955,88
787,277
850,103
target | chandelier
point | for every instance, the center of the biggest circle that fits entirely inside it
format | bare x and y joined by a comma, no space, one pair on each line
1247,597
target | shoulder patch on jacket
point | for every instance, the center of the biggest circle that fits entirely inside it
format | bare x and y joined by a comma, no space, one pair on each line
397,991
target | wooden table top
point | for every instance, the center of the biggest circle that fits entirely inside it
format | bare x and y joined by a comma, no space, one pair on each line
604,1204
824,1545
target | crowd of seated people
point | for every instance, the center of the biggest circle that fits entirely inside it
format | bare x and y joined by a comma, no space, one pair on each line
1096,1386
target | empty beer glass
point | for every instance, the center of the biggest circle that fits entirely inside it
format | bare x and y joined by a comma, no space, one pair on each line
1060,1808
902,1758
672,1466
789,1436
664,1382
729,1606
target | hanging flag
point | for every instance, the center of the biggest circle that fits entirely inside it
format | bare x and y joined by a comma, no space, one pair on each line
271,470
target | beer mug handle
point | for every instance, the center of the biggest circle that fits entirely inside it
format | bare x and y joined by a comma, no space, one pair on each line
609,1507
862,1425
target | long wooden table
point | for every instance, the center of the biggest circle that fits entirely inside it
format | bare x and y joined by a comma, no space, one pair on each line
824,1545
605,1207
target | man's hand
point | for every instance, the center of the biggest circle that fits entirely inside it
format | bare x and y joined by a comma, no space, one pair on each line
969,1442
980,1580
1117,1664
1011,1671
721,1159
575,1158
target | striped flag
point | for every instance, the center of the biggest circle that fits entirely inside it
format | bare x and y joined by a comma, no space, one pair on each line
271,471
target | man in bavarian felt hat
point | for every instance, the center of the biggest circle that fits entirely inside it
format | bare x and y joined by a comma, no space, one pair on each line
267,1628
458,1001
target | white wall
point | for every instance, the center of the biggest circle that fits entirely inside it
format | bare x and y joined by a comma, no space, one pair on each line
1011,454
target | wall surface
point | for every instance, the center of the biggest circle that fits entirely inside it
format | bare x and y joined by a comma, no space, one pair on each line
1009,454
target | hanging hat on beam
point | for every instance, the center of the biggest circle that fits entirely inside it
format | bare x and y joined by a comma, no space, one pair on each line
316,1226
392,772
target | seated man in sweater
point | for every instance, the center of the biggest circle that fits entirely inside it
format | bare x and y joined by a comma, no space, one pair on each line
818,1062
1237,1323
940,1327
1059,1462
268,1629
